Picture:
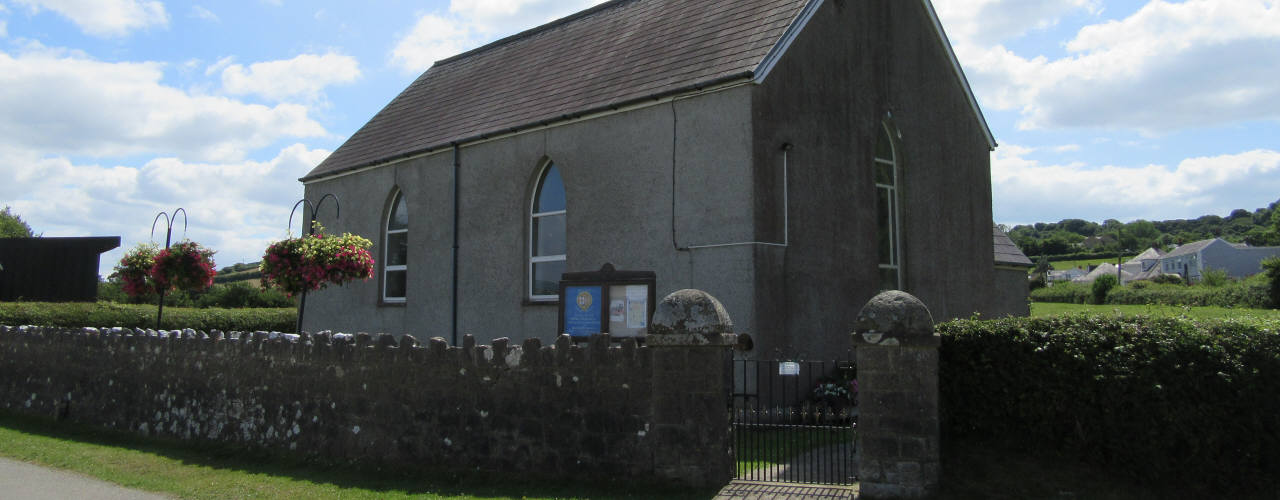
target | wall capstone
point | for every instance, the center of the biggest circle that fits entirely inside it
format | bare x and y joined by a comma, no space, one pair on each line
895,317
690,317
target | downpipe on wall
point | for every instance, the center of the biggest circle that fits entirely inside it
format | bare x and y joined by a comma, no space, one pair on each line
457,167
786,205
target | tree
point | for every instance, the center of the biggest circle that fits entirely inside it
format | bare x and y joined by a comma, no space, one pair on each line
12,226
1272,266
1102,286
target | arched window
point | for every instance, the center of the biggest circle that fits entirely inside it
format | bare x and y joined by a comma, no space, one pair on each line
547,247
395,259
889,219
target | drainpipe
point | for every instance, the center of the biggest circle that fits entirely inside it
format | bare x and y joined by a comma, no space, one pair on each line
457,165
786,216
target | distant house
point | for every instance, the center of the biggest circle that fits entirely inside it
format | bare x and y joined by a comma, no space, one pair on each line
1095,242
1012,289
1067,274
1145,266
1237,259
1103,269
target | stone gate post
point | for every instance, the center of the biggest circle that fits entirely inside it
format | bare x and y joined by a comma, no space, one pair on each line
691,341
898,428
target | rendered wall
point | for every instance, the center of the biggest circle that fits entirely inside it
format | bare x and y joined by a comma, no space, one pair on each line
629,178
854,66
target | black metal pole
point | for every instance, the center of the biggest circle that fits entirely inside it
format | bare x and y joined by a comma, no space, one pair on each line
168,239
311,231
168,236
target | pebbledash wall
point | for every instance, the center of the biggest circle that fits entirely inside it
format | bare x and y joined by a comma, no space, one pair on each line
599,410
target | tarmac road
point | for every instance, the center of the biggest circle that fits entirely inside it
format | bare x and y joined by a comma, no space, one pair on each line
24,481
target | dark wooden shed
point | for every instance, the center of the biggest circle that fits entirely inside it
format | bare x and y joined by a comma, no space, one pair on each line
52,269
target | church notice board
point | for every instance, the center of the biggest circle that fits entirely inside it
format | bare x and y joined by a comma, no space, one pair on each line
620,303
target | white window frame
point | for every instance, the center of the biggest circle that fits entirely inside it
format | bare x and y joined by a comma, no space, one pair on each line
386,251
895,215
533,216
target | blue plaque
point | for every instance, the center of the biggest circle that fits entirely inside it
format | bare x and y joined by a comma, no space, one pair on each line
582,310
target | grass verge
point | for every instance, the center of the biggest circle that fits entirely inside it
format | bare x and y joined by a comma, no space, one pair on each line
200,472
1044,309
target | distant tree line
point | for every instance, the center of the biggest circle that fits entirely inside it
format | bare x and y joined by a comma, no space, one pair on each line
1072,236
12,226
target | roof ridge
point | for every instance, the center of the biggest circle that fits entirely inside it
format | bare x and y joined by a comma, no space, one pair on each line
532,31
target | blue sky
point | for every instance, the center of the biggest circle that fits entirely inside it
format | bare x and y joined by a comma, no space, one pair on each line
114,110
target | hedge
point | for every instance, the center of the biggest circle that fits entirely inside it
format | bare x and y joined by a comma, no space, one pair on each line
1252,292
1164,399
108,314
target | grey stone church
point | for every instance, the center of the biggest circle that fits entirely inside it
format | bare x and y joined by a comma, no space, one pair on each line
791,157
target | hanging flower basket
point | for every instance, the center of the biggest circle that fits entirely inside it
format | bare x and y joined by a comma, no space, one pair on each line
134,270
342,259
296,265
284,267
184,266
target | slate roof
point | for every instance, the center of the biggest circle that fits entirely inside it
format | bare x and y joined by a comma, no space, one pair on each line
1189,248
612,55
1148,254
1006,252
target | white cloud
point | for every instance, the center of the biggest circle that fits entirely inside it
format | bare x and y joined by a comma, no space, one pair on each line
986,22
62,103
4,29
105,18
433,38
471,23
235,208
1168,66
199,12
1196,186
304,76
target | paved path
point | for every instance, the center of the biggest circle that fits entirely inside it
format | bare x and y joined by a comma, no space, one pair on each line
34,482
750,490
802,468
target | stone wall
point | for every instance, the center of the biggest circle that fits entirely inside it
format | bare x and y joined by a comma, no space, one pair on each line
554,411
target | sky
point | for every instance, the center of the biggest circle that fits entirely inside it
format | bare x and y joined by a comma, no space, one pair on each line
113,111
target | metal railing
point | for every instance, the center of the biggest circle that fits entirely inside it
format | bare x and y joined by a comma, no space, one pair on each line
795,421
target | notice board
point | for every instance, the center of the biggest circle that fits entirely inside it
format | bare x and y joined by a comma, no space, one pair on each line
620,303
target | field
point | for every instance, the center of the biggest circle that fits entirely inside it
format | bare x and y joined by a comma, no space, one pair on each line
1063,265
1041,309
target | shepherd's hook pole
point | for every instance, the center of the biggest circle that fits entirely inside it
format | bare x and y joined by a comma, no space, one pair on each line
168,237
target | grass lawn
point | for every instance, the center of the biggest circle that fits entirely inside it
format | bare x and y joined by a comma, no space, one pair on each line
1063,265
970,470
1040,309
219,473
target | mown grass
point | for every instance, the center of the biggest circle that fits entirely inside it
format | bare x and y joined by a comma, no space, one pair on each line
1044,309
196,472
762,449
1063,265
970,470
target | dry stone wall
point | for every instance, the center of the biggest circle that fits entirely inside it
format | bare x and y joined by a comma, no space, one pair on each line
556,411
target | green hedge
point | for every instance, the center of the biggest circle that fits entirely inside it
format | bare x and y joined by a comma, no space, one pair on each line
108,314
1163,399
1066,292
1252,292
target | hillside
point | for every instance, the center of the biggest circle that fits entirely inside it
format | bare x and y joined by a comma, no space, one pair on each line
1260,227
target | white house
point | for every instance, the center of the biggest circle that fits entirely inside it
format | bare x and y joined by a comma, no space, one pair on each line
1237,259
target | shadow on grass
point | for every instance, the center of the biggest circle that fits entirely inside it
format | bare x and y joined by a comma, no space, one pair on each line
480,484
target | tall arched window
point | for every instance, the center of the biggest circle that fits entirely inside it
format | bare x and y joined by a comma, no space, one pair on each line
547,247
889,219
395,259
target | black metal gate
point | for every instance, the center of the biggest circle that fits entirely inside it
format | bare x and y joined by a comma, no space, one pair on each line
795,421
